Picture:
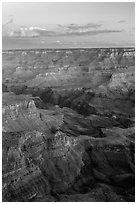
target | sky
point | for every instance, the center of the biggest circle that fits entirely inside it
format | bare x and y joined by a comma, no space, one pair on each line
81,22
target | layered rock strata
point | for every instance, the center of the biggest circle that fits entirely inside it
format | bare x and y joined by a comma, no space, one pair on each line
68,125
66,156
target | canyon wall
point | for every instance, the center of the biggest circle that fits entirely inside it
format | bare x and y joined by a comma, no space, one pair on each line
68,125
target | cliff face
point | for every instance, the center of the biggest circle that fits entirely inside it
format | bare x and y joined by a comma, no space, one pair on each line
65,67
40,153
25,116
108,73
68,128
58,151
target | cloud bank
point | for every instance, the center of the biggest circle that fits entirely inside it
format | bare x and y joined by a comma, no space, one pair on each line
76,30
77,27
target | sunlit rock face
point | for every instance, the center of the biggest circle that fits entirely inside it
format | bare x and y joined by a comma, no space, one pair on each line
35,151
25,116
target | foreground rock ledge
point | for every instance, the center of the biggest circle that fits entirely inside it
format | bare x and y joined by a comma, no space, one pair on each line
46,158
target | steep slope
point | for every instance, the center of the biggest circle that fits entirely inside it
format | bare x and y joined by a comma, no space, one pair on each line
68,125
50,156
64,67
107,73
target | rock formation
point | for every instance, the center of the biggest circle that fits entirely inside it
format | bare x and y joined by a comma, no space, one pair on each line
68,126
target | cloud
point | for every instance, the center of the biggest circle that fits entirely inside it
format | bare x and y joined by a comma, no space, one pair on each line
91,32
70,30
75,30
43,32
122,21
84,26
76,33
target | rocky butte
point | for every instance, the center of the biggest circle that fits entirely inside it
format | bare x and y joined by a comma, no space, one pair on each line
68,125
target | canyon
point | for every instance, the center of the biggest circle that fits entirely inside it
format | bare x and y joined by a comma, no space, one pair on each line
68,125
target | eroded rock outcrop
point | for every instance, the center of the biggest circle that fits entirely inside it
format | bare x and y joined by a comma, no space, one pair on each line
25,116
71,154
65,67
68,134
